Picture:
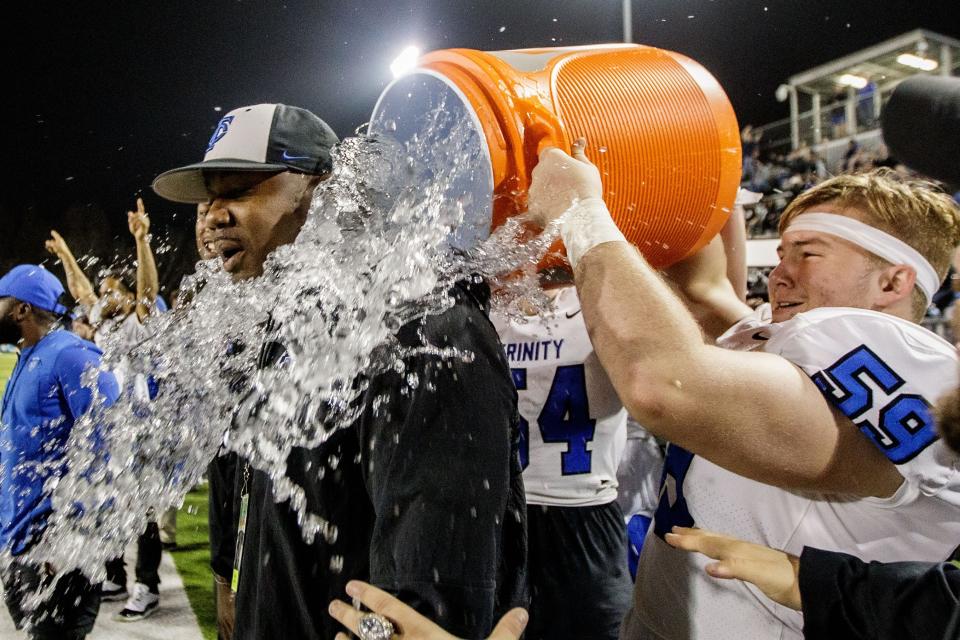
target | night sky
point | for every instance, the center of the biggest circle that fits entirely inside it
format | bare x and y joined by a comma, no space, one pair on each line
100,97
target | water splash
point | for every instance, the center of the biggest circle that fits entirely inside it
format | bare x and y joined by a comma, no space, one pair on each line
375,254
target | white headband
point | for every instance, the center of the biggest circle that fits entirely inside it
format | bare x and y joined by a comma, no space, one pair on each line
873,240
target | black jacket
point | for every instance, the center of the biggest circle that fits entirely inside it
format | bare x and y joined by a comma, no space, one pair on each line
426,494
221,475
844,597
285,583
441,467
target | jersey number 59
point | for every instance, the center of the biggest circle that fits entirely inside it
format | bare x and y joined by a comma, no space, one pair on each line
903,427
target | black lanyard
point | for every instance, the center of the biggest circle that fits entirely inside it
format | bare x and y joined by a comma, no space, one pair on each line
241,527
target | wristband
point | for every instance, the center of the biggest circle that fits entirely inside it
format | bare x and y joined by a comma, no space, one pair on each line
585,225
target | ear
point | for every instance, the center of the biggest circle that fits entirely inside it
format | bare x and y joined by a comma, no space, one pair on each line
20,311
312,182
305,197
896,283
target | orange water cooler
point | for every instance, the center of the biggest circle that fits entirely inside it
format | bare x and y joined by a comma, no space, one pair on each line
658,126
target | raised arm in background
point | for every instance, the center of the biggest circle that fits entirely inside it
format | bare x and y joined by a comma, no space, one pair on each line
703,282
147,280
77,282
734,238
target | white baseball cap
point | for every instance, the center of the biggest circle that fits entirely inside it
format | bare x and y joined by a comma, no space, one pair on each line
261,137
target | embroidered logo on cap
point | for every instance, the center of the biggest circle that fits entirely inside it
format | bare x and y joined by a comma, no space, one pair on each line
219,132
287,156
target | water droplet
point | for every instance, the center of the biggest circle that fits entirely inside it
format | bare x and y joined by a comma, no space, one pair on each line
413,380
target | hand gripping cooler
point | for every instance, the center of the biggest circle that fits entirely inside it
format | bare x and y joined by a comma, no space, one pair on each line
658,126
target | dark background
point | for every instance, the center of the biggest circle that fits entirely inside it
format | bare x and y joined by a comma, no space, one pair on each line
102,96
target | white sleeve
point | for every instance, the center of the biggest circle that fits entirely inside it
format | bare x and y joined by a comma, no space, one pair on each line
884,374
133,330
639,473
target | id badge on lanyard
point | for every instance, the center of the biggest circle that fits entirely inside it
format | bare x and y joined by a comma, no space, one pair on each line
241,528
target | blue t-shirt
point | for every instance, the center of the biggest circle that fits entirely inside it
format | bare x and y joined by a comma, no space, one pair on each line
43,399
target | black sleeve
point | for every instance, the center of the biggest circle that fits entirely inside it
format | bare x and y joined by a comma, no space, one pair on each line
437,446
222,516
844,597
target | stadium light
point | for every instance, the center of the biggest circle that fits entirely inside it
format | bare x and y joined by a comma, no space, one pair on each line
850,80
917,62
405,62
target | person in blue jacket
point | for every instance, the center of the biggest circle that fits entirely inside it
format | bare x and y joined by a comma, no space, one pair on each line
43,399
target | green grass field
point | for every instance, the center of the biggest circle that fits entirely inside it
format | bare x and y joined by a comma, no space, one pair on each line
192,557
8,360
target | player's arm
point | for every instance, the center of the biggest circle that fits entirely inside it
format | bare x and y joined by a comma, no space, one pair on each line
755,414
77,283
734,239
147,279
703,282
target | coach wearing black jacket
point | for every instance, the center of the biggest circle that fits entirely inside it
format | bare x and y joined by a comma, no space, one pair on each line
425,494
425,490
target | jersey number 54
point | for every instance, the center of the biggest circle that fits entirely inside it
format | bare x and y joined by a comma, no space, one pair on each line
565,417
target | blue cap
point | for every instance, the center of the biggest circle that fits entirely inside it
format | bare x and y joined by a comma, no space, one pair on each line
35,285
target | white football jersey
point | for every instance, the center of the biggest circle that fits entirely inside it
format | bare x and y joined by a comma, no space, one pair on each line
125,334
638,475
573,425
884,373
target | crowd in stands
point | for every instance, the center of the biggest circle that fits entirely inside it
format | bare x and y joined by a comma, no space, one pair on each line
782,176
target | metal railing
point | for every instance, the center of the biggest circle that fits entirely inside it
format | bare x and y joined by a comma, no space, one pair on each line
838,120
